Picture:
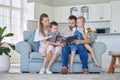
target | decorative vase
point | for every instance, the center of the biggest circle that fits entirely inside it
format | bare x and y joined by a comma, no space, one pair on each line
4,63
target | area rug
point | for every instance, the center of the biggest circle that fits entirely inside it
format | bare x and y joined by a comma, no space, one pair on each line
36,76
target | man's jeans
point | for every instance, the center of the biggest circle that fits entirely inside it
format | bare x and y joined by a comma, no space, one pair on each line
82,54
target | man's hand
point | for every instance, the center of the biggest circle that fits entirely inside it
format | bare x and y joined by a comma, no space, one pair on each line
77,42
86,41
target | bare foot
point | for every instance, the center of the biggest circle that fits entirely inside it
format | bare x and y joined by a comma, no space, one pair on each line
97,64
71,70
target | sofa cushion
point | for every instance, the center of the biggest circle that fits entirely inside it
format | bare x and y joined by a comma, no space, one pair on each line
77,59
36,55
29,37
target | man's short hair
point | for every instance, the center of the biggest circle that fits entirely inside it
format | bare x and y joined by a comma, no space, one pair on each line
72,17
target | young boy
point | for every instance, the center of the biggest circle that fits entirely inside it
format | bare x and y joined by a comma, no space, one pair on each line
53,33
52,46
80,32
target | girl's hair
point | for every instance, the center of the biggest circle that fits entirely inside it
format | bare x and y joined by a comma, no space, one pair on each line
82,18
53,24
41,24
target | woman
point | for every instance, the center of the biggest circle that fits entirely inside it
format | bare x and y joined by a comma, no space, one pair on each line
41,35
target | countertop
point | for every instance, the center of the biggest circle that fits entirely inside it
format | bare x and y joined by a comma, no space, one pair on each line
108,34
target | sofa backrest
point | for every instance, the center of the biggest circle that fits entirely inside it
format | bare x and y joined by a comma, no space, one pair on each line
93,36
29,37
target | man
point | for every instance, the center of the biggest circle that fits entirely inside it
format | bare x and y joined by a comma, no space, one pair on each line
68,31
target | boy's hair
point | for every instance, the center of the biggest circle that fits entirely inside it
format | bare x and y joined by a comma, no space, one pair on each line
72,17
82,18
53,24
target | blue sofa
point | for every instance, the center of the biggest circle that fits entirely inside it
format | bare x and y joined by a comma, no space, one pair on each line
31,60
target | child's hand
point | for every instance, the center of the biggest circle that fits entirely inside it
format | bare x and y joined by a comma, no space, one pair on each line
50,36
59,44
72,42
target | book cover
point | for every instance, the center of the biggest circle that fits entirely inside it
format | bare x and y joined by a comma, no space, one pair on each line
66,40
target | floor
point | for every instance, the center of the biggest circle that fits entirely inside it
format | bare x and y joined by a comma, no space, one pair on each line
15,74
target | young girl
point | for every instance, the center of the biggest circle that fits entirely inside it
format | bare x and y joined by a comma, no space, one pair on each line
80,28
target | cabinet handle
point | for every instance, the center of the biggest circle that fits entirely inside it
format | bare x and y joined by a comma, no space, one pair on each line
101,18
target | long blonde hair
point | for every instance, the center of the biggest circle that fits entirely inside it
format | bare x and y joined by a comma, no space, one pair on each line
41,30
82,18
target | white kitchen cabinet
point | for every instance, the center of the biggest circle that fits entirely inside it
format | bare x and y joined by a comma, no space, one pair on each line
85,11
61,14
115,17
100,12
34,10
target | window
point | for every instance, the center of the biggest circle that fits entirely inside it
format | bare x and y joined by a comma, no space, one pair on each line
74,11
5,2
85,12
11,16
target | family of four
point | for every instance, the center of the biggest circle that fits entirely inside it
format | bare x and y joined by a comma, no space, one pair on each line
47,32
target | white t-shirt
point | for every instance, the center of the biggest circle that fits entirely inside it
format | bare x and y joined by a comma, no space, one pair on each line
39,37
84,29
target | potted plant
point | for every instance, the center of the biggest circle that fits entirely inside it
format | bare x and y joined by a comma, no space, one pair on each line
4,51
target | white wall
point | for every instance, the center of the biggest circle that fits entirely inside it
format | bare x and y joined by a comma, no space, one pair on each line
47,2
113,44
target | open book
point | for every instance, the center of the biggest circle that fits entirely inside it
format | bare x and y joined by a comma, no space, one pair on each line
66,40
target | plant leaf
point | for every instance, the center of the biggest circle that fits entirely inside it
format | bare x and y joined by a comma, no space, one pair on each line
8,35
12,46
5,50
2,30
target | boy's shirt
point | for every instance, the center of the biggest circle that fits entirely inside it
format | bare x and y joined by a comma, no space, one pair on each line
84,30
53,39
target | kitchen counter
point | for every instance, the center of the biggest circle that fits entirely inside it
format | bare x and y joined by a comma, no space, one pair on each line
108,34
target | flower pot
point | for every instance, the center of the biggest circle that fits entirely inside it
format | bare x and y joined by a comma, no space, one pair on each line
4,63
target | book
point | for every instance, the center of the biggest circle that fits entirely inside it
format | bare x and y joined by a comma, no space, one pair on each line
66,40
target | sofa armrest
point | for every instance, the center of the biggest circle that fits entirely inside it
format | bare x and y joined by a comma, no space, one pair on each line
99,47
23,47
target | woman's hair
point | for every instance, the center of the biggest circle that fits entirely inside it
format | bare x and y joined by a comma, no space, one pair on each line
53,24
41,24
82,18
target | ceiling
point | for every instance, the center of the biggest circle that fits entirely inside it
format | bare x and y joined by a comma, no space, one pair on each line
70,2
76,2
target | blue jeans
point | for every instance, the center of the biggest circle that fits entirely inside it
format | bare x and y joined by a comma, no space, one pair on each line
82,54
